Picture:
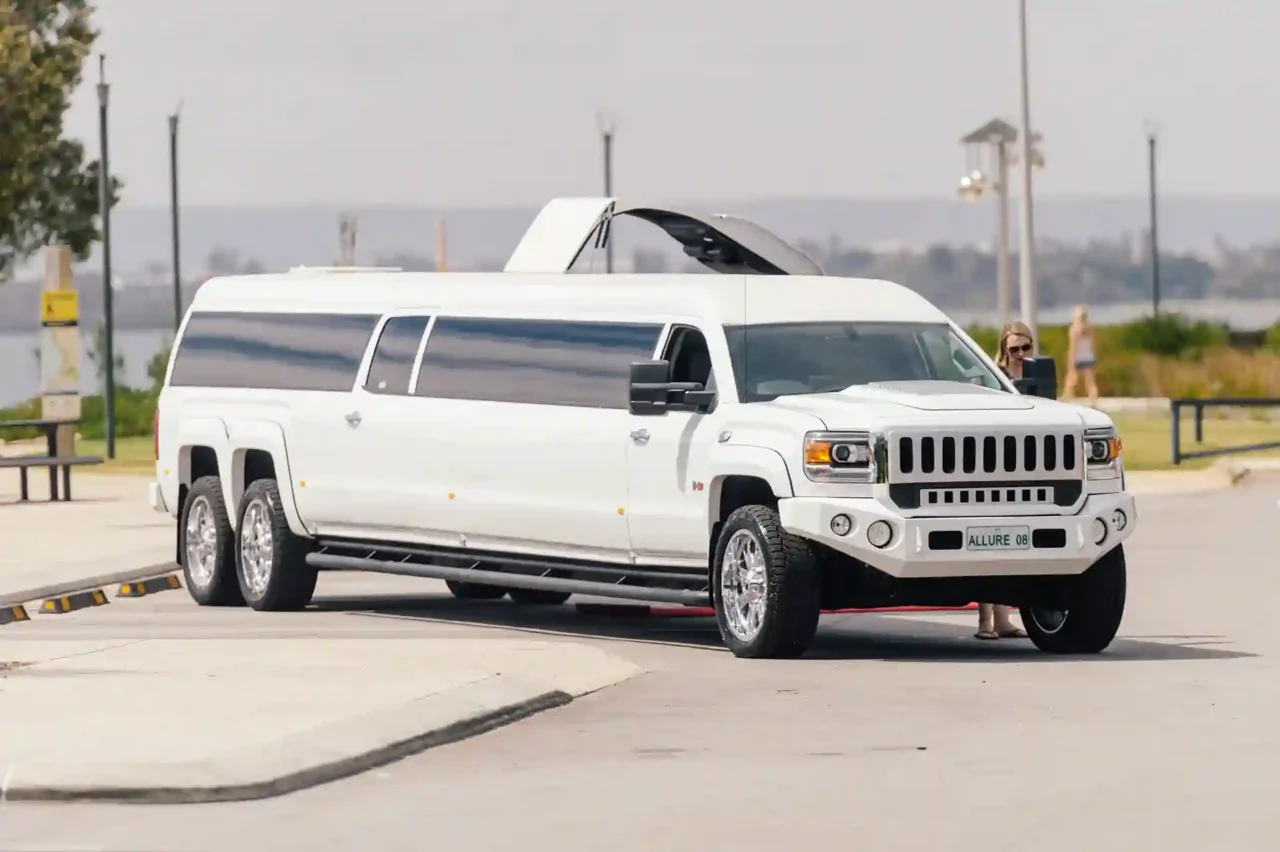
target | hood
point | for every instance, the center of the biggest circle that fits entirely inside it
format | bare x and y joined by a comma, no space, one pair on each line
911,402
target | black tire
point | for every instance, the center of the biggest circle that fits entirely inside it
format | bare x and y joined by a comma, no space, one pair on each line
289,582
474,591
792,599
1095,609
213,585
538,597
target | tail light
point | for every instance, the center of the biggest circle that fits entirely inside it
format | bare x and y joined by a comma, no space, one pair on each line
155,433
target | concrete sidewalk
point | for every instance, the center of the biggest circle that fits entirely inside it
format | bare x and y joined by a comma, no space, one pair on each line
107,530
165,721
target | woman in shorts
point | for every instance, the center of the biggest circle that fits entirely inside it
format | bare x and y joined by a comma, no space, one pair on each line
1082,359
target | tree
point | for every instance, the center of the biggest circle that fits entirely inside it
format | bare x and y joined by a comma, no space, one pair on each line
48,192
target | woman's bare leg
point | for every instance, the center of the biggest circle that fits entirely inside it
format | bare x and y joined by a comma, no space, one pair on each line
1091,384
986,621
1004,627
1069,383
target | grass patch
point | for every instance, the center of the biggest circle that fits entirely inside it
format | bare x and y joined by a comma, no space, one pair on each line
134,456
1146,439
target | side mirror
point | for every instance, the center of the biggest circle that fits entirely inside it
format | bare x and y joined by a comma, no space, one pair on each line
1039,378
653,393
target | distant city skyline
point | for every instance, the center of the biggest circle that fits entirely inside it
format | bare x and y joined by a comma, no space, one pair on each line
466,103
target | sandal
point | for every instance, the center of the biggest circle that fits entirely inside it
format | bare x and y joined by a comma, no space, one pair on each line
1013,633
987,635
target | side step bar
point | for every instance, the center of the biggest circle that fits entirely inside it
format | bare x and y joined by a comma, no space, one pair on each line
333,561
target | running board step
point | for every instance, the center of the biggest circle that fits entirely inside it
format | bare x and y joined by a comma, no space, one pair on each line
333,561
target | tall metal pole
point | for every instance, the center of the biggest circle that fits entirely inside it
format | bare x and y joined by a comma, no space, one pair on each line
1027,291
1155,233
173,217
607,136
1002,257
108,310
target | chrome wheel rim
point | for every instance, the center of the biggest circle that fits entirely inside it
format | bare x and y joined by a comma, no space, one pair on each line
201,541
1049,620
744,585
256,546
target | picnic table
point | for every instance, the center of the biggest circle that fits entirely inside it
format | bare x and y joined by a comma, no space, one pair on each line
50,459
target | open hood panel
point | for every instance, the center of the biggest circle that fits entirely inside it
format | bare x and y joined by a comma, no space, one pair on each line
725,244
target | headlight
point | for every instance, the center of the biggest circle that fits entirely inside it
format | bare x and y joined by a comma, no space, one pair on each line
1102,453
839,457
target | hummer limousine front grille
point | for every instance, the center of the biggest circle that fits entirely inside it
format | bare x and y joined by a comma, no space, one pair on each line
972,458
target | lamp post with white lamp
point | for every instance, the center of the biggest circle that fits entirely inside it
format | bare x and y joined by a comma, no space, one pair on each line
990,149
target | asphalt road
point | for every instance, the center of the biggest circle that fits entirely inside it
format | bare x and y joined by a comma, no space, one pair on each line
895,733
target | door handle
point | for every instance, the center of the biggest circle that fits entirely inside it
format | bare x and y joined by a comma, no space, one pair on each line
640,436
353,419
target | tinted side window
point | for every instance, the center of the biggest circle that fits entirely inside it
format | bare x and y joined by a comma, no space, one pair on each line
393,358
545,362
317,352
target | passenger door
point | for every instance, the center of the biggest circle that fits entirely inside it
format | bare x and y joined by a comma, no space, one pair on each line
522,425
668,462
382,433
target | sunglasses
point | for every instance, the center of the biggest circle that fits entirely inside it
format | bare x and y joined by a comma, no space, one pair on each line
1020,350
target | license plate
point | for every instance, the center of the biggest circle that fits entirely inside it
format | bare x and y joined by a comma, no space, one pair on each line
997,538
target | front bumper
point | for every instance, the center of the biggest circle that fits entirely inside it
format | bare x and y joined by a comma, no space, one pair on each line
910,555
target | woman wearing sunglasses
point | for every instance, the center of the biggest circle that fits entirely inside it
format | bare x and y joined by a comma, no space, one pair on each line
1015,346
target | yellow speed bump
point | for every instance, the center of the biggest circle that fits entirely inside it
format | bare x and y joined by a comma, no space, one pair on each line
10,614
71,603
149,587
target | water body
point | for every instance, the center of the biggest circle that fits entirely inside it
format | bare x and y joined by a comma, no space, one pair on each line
20,371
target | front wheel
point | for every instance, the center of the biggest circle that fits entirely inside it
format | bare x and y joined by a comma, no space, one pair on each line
271,562
765,586
1090,618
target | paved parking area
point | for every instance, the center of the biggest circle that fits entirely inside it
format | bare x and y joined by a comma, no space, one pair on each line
897,732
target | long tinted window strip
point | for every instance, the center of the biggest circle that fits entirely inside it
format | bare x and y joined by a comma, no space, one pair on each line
546,362
397,347
272,351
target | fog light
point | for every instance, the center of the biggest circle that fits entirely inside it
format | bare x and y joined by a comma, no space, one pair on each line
880,534
1119,520
1099,531
841,525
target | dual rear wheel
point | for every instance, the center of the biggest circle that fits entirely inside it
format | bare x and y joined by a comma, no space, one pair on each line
260,563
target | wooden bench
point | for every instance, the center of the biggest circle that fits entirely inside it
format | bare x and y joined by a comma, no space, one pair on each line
25,463
50,459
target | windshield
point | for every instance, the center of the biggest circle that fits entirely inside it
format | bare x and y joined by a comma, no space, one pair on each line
797,358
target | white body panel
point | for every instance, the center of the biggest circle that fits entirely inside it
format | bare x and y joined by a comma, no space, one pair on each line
602,483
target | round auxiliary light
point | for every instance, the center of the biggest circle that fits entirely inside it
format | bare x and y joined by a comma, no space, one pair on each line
1099,531
1119,520
842,525
880,534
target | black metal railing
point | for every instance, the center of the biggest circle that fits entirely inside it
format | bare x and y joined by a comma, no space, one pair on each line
1198,407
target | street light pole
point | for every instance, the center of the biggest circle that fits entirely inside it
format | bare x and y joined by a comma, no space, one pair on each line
1155,234
1002,257
108,311
1027,291
173,218
606,136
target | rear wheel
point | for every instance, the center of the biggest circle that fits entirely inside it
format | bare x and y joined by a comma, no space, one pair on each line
271,562
474,591
1091,614
765,586
538,597
207,546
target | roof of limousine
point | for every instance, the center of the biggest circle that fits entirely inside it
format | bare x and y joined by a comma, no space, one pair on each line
724,299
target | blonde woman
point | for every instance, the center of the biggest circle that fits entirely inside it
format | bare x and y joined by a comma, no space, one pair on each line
1082,359
1015,346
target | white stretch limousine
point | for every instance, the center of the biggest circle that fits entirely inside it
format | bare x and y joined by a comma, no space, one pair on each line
768,441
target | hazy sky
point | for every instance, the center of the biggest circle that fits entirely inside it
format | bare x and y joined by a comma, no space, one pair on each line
480,102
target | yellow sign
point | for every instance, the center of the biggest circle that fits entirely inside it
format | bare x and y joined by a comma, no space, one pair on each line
59,307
